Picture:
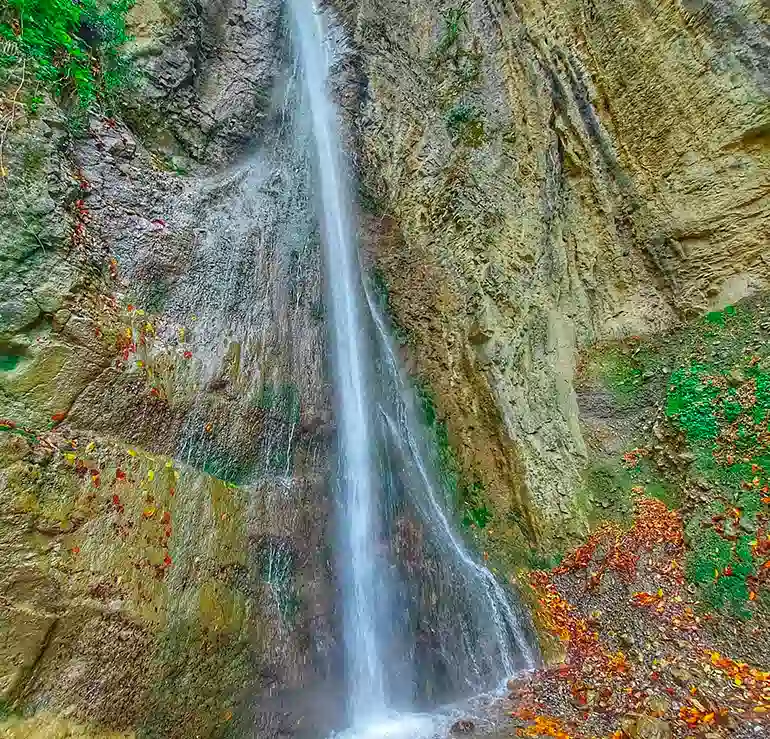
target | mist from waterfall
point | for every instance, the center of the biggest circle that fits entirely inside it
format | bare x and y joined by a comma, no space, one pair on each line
415,637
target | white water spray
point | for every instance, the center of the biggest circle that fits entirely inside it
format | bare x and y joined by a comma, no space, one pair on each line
358,480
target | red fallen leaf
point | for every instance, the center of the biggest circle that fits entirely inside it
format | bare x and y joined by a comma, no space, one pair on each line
166,518
76,550
188,355
728,570
158,222
154,392
58,417
116,500
167,560
168,532
654,676
129,307
119,474
171,491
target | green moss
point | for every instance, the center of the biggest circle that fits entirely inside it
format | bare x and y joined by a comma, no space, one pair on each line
9,362
382,295
200,673
721,569
454,21
692,402
465,124
282,398
466,494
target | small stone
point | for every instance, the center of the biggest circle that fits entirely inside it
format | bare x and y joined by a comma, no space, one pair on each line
646,727
517,684
658,705
463,726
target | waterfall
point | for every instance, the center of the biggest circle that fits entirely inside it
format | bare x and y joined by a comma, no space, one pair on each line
451,629
358,479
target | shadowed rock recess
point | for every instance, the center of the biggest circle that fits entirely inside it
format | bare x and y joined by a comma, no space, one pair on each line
564,213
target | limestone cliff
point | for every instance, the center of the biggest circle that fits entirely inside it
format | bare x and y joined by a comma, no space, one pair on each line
543,175
164,423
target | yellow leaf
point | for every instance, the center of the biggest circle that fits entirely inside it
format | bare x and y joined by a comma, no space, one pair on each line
151,475
169,464
69,457
132,452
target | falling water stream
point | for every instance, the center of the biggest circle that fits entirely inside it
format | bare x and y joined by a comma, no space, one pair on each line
411,637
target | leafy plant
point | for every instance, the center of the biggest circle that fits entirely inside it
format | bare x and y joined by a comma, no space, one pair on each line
455,20
75,46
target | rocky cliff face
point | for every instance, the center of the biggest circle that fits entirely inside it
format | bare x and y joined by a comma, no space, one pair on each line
164,433
543,176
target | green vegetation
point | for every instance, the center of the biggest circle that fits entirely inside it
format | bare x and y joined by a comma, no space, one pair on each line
382,295
468,496
465,124
9,362
188,656
72,46
712,379
717,400
455,20
457,57
724,418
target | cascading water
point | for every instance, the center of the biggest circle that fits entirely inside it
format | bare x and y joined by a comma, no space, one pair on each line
358,482
443,628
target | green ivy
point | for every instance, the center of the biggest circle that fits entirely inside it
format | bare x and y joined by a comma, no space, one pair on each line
75,46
